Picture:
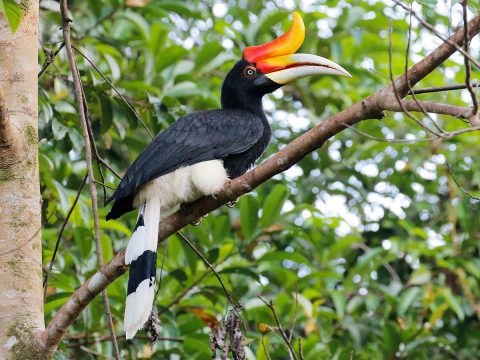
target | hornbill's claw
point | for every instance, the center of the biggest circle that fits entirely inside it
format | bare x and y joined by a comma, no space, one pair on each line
232,203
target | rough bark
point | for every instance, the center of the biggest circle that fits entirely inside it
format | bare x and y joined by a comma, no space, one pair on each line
21,295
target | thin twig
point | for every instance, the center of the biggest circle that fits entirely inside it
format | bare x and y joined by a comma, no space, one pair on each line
93,339
407,80
59,237
265,351
440,36
103,184
462,189
400,141
205,261
442,88
394,85
279,325
96,154
292,327
300,349
183,293
50,59
467,61
187,289
89,159
132,109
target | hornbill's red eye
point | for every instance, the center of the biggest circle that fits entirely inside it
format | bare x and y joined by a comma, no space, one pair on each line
249,72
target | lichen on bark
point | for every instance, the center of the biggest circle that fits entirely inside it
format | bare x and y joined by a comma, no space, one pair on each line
23,345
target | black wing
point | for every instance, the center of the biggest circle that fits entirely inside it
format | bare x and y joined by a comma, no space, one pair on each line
193,138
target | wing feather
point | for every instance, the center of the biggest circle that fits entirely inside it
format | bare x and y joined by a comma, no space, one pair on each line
196,137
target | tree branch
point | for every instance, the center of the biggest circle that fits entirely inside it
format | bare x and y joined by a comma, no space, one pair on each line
369,108
474,119
430,27
50,58
391,104
442,88
89,158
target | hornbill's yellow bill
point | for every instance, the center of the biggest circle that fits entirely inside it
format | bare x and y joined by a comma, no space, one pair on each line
278,61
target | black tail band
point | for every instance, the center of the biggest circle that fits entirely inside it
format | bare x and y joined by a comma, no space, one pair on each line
144,267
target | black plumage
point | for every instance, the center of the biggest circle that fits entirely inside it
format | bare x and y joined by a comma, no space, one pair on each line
142,268
238,134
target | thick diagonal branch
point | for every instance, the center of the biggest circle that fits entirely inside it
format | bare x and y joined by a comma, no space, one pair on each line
369,108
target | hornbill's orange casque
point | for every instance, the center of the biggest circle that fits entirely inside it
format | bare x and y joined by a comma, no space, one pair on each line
200,151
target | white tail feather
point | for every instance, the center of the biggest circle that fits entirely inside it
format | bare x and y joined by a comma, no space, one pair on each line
138,308
139,303
152,220
145,237
136,245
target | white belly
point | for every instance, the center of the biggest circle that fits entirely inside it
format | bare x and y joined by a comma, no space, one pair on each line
184,185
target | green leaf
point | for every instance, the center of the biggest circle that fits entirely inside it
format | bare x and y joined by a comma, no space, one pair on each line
84,241
106,245
284,255
240,270
391,337
63,196
339,301
56,300
454,303
221,228
139,21
420,276
407,299
58,129
273,205
12,12
248,215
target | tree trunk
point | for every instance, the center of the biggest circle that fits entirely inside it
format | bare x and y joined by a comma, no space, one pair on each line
21,296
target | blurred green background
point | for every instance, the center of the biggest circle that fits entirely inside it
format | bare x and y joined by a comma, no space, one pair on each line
368,247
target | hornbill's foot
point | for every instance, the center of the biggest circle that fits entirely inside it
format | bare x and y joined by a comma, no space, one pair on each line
232,203
196,222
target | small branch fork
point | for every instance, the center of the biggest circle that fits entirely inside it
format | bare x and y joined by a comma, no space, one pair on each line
286,339
371,107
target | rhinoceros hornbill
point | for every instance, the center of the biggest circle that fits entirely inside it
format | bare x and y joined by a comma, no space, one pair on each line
200,151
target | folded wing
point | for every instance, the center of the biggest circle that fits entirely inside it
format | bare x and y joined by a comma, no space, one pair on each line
196,137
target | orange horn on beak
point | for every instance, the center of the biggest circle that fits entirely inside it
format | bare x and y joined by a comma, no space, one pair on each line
286,44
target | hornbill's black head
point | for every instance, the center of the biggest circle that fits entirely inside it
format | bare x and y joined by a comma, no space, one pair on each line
267,67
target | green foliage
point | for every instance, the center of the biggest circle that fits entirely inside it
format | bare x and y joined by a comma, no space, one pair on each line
12,12
368,248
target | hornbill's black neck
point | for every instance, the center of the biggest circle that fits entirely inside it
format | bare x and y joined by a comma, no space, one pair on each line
233,100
